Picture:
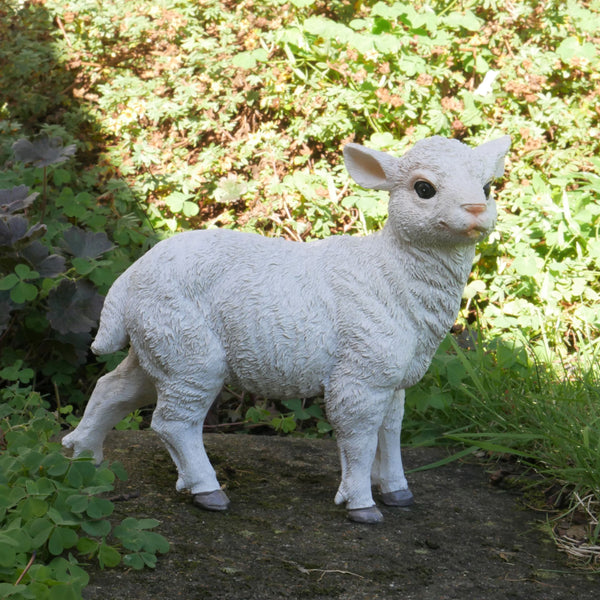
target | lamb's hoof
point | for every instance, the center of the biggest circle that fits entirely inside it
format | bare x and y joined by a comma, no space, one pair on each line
398,498
365,515
216,500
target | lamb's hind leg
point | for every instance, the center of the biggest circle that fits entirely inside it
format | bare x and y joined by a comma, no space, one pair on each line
116,395
178,420
388,472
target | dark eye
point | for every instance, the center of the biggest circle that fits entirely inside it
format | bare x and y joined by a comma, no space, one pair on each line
487,188
424,189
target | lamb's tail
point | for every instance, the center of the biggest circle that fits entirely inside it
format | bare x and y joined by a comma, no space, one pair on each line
112,334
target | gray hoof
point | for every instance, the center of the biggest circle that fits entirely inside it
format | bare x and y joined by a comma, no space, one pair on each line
365,515
216,500
398,498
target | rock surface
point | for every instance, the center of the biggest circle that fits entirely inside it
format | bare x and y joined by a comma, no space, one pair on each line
283,537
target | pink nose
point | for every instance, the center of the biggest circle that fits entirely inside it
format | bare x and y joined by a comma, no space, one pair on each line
475,209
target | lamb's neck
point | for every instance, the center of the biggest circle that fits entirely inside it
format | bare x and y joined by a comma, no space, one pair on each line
428,281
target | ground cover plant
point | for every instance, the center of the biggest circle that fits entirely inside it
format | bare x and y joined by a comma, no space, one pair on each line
121,123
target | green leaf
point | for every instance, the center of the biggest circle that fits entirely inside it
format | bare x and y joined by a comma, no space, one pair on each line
134,561
324,427
60,539
393,11
525,266
176,200
146,523
249,58
87,546
65,591
444,461
8,552
23,292
571,48
257,415
81,473
83,266
8,282
466,20
108,556
116,470
61,176
149,559
190,209
59,518
96,528
16,372
55,464
7,590
99,508
78,503
40,530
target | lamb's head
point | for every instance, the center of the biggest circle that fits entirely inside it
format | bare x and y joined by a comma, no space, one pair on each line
440,190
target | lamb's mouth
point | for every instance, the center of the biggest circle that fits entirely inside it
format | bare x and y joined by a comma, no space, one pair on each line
474,232
478,231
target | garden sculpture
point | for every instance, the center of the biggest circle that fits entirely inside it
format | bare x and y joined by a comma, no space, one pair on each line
355,319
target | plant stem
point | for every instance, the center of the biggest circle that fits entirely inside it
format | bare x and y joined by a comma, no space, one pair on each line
44,194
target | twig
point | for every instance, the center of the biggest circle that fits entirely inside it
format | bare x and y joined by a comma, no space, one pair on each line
124,497
26,568
62,28
292,234
322,571
56,397
245,424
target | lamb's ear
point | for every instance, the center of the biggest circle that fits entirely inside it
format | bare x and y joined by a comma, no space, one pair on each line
493,154
371,169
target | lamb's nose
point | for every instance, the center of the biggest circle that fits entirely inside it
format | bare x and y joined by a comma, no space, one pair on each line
475,209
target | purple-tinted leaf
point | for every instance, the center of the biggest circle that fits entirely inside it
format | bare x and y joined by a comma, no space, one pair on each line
42,152
12,229
86,244
17,198
74,307
74,347
46,264
14,232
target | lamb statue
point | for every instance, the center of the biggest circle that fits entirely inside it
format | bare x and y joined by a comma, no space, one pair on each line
356,320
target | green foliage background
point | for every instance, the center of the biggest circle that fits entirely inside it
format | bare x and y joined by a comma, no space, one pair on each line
199,113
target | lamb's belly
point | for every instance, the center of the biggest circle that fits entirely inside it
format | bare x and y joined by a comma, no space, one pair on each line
293,375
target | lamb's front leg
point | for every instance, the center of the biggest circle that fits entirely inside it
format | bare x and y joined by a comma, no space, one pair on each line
357,452
388,472
356,415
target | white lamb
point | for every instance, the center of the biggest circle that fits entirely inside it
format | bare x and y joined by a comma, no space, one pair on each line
355,319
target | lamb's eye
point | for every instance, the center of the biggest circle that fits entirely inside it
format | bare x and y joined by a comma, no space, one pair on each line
424,189
487,189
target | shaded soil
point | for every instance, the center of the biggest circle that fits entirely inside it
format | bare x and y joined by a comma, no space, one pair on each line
283,536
